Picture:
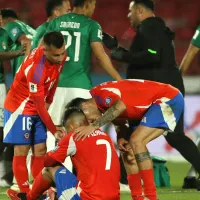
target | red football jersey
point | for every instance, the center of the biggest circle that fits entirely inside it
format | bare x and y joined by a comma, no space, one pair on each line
96,162
137,95
36,77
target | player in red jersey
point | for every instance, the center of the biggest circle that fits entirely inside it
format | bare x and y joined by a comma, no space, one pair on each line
26,116
95,159
157,106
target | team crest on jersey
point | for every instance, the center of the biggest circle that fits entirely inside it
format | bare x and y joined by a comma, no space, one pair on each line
3,45
108,100
15,31
33,87
26,136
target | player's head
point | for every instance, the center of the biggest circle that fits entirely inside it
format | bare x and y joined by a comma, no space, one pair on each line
87,6
54,47
74,118
88,106
139,10
56,8
8,15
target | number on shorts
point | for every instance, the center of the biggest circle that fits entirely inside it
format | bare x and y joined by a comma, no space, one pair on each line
108,150
26,123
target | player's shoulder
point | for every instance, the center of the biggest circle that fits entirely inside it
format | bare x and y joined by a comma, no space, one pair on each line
42,27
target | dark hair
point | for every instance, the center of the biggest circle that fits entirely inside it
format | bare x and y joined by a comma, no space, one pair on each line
79,3
76,103
70,113
147,3
8,12
51,5
54,38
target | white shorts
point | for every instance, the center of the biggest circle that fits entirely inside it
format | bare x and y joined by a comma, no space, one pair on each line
62,97
2,99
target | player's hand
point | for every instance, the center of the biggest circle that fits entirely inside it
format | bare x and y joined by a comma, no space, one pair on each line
83,131
117,53
122,144
109,41
22,51
60,133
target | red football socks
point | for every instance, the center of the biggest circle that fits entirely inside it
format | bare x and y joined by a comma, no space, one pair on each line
134,181
149,185
21,173
40,185
37,164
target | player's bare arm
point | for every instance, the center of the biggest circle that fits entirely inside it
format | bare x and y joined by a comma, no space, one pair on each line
104,60
12,54
189,56
112,113
25,41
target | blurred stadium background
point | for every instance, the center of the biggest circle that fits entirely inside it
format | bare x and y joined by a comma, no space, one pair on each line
183,17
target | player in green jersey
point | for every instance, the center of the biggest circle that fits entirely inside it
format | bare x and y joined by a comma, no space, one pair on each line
83,37
54,8
5,54
192,51
20,33
194,47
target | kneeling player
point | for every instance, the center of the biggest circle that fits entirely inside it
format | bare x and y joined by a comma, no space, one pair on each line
95,160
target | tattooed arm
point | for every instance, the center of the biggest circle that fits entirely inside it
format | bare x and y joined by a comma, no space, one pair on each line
111,114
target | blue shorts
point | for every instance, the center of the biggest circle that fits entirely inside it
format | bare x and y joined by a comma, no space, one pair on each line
66,183
164,115
23,129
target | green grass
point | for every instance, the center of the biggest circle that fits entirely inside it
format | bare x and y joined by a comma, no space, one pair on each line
177,173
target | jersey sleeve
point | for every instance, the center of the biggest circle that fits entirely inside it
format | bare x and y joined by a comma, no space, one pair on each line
14,30
196,38
105,97
95,32
66,147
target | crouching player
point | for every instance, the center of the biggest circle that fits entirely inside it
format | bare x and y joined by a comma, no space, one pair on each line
158,108
95,160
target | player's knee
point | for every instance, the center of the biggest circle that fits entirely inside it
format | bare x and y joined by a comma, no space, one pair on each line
40,151
21,150
136,143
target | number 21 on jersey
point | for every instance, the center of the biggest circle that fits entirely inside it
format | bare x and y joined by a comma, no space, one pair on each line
77,36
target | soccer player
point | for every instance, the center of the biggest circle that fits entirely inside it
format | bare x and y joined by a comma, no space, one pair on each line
54,8
5,44
83,37
190,179
21,34
157,105
95,160
25,116
192,51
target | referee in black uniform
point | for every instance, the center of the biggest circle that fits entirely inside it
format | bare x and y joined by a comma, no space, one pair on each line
152,57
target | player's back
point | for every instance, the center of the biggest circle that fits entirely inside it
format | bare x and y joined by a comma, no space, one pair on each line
79,32
15,30
97,167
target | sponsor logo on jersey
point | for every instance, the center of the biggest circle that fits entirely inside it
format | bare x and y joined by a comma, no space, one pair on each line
108,100
26,136
33,87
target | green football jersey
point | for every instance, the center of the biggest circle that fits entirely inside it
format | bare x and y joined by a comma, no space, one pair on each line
196,38
15,30
5,43
79,32
40,31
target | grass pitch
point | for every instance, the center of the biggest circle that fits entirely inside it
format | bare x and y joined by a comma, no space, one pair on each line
177,173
